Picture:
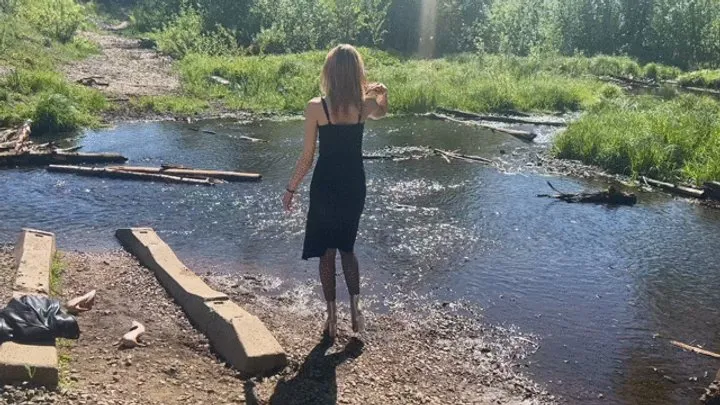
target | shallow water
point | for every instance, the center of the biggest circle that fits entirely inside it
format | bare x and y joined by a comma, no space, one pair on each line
596,284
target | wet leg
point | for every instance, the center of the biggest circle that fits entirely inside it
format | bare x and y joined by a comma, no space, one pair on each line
327,279
352,279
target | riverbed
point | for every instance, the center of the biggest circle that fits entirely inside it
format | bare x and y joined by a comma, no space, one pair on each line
603,288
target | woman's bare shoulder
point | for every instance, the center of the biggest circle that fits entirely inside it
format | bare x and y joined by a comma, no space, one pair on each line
314,106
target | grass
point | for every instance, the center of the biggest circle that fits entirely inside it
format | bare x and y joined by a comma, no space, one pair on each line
701,78
35,40
284,83
170,104
677,139
57,270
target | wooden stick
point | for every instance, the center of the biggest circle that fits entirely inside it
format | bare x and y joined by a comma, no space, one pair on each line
522,135
694,349
676,189
189,172
460,156
131,339
496,118
119,174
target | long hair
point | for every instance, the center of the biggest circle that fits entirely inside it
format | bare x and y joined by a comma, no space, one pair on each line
343,79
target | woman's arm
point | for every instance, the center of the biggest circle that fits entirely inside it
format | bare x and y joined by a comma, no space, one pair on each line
306,157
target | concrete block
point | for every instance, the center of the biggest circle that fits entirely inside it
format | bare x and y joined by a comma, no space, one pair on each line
34,254
33,363
186,287
243,340
237,336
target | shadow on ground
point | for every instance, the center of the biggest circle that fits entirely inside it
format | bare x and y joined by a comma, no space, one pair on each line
315,381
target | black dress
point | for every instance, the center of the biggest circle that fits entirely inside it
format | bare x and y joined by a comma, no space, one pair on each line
337,191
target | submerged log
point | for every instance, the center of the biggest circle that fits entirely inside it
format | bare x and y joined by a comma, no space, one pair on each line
611,196
499,118
119,174
189,172
695,349
522,135
454,155
44,158
675,189
711,396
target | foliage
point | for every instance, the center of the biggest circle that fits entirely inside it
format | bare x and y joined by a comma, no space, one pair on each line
57,19
185,34
701,78
666,139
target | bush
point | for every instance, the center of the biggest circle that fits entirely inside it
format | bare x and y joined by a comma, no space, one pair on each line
58,19
701,78
185,35
56,113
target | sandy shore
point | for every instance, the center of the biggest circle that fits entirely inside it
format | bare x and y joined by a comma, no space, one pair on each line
415,353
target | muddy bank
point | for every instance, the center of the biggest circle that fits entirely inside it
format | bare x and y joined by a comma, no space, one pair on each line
415,353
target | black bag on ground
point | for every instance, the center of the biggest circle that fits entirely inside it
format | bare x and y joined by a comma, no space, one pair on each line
35,319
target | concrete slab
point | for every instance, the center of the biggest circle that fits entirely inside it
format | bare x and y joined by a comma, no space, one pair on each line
34,254
189,290
244,339
237,336
33,363
38,364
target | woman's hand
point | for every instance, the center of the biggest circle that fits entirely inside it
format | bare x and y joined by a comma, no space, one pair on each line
376,89
287,200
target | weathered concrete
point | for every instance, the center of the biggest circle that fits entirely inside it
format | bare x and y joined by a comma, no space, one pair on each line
34,254
237,336
38,364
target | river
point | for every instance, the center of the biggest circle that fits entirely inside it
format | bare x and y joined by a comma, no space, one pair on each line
603,288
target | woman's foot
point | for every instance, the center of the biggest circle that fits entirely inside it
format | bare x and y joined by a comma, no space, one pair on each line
331,322
358,320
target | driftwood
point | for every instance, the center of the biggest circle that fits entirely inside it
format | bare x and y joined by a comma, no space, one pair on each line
188,172
610,196
220,80
119,174
131,339
44,158
242,137
447,155
522,135
92,81
694,349
251,139
81,304
676,189
499,118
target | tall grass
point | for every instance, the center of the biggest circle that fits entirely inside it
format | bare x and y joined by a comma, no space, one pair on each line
701,78
474,83
666,139
37,36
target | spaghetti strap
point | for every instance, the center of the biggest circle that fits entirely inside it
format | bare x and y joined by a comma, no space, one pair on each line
361,113
325,107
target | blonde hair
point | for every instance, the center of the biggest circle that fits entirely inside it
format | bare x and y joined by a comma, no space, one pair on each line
343,79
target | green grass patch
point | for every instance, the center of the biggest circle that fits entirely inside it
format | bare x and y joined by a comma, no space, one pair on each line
677,139
484,84
170,104
56,272
701,78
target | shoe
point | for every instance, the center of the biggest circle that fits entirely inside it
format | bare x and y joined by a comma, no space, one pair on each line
358,320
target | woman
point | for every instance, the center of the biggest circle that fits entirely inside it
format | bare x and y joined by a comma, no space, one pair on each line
337,191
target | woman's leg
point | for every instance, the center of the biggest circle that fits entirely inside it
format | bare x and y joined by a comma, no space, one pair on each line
352,279
327,279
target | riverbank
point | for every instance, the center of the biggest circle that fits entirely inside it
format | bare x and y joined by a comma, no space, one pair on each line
416,353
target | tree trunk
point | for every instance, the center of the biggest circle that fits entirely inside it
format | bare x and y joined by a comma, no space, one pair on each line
45,158
498,118
676,189
522,135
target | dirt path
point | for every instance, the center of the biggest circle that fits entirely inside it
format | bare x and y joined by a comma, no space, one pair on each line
429,355
129,69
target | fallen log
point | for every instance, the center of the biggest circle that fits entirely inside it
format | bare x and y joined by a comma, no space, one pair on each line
694,349
634,82
131,339
119,174
611,196
675,189
44,158
92,81
499,118
189,172
522,135
251,139
454,155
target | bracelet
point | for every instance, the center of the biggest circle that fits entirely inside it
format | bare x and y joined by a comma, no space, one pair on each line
289,191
